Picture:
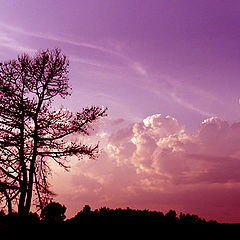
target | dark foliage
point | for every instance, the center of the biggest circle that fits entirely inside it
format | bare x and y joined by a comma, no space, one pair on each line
53,213
107,222
169,218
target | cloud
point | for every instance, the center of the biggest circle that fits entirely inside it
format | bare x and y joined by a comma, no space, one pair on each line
9,41
162,147
139,69
117,121
189,106
18,30
170,162
155,164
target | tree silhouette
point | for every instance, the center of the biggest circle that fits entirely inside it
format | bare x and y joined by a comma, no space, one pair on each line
129,215
54,212
31,132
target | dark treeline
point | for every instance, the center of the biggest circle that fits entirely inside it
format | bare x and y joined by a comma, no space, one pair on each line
169,218
111,222
54,213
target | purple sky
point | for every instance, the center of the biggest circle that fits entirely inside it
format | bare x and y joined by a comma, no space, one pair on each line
140,59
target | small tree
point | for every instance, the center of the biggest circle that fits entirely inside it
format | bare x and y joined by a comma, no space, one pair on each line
53,213
31,132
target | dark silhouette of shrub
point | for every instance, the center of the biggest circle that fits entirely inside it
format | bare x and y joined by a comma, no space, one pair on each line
171,217
54,212
86,210
190,219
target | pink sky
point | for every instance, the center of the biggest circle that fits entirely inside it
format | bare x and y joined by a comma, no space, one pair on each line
169,73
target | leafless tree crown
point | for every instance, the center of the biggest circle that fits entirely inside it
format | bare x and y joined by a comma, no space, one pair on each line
31,132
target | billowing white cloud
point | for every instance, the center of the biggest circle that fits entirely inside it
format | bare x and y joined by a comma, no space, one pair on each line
154,133
161,146
157,164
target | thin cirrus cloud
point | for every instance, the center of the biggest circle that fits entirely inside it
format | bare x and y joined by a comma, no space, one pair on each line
18,30
10,39
104,56
10,42
156,164
111,61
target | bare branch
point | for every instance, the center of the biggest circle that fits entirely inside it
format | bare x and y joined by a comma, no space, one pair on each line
31,133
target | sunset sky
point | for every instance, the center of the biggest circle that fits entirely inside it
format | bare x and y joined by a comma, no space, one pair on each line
169,73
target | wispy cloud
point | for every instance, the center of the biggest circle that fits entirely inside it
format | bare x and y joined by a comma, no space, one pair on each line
9,41
166,87
190,106
56,38
86,61
138,67
9,38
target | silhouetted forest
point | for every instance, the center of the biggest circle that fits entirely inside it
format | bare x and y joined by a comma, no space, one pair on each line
169,218
106,222
54,213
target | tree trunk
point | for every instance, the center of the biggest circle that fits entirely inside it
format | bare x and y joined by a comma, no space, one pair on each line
33,160
23,184
23,181
30,186
9,202
31,174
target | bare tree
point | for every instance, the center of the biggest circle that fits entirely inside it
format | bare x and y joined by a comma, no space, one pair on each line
31,132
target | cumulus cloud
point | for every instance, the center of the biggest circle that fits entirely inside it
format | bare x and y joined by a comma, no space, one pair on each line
157,164
160,145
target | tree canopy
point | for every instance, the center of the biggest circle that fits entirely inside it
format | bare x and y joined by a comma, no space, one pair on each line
31,132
